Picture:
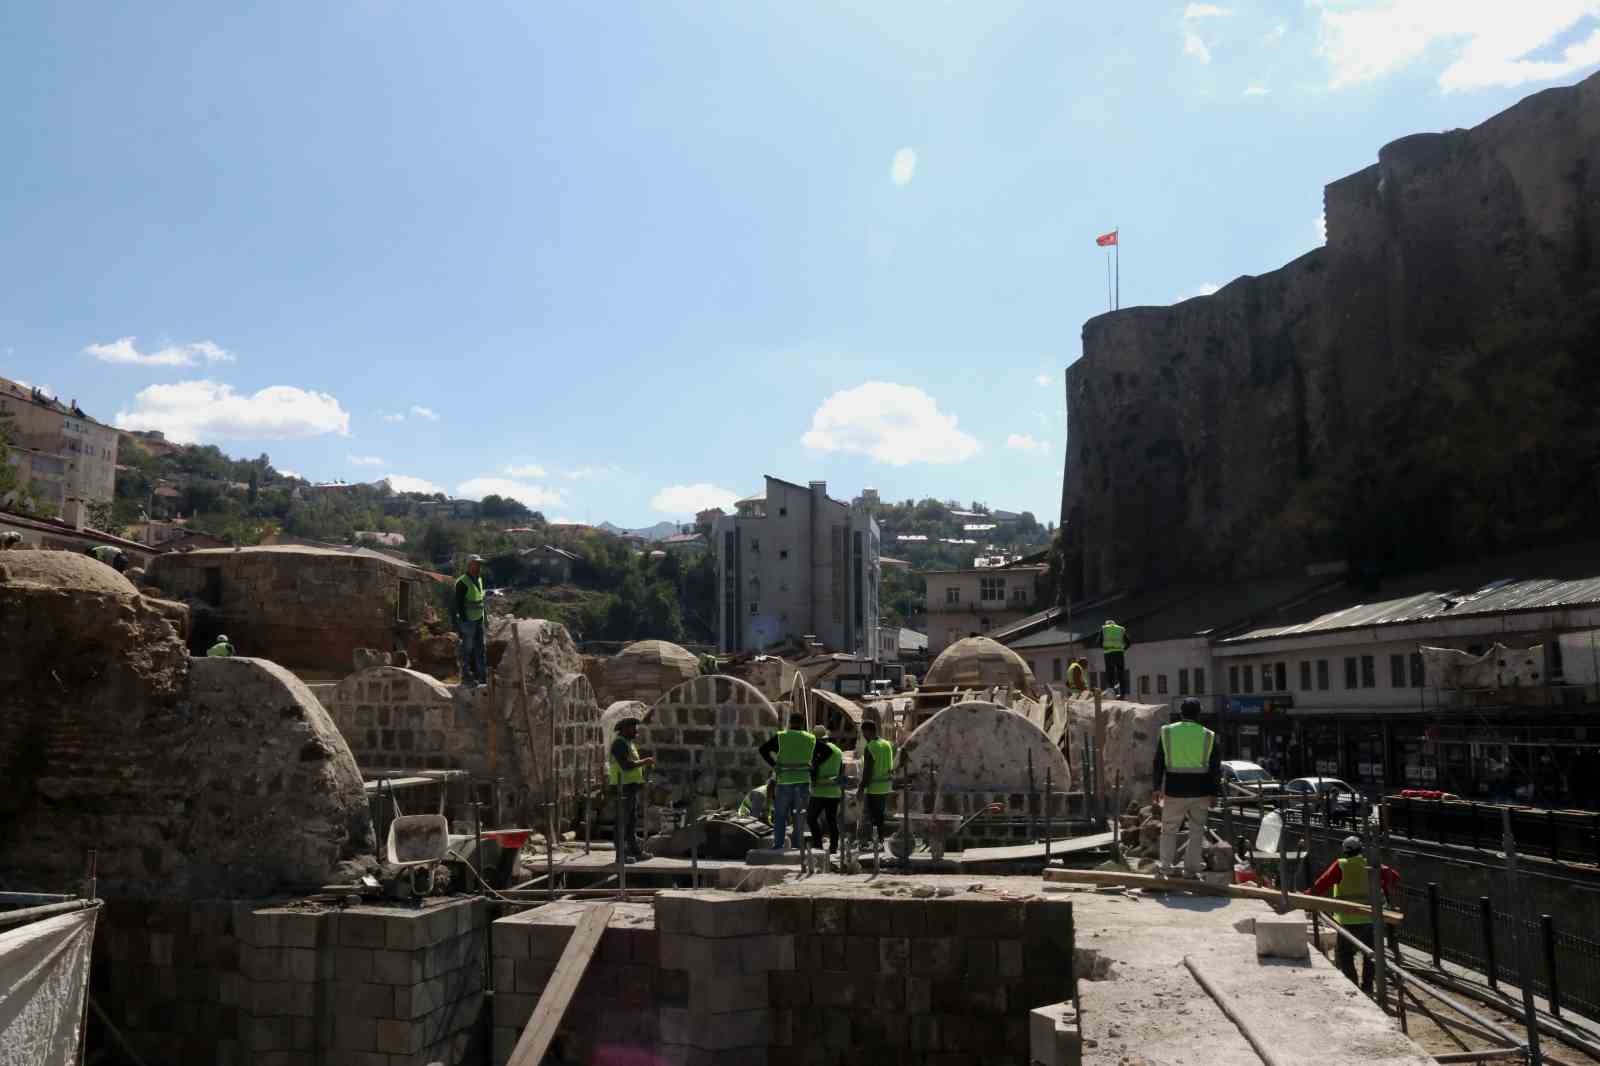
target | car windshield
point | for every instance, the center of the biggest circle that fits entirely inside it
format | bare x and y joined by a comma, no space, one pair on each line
1333,786
1251,773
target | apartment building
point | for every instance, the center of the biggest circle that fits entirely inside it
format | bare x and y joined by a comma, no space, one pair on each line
972,603
793,562
67,458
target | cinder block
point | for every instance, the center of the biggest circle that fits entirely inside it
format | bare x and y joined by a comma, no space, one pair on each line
789,990
935,956
979,958
978,916
723,993
513,1009
440,924
763,954
919,995
673,912
789,914
1281,937
1008,958
547,940
301,929
405,931
532,975
396,967
352,964
363,930
861,955
894,955
830,917
398,1038
505,973
355,1033
728,916
505,1042
364,1000
301,964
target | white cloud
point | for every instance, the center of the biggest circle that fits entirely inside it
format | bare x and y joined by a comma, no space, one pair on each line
529,495
365,460
286,473
1276,34
1044,380
1205,11
1256,89
526,470
1488,43
691,499
894,424
1026,442
1194,46
122,351
1321,226
407,483
1205,288
387,417
904,167
192,411
424,412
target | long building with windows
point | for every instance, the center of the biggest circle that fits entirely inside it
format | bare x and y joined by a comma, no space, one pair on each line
65,457
794,563
977,601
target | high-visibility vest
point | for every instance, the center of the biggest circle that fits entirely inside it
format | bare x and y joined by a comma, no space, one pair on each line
882,767
1186,747
220,648
1352,885
104,552
1113,637
827,786
473,611
744,804
1075,678
616,775
795,748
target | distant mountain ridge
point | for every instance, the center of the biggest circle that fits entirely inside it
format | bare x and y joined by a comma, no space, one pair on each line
659,531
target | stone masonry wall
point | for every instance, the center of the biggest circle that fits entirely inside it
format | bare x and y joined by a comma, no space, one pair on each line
228,983
789,978
713,722
394,718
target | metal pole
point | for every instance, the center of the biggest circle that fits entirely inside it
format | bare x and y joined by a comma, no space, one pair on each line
1048,830
1379,931
1520,909
622,849
1433,923
1547,930
1486,928
694,817
1033,801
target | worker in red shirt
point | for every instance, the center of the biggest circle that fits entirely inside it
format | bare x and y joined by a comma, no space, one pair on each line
1346,878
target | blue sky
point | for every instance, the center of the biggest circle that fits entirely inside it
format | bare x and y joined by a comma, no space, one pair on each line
621,260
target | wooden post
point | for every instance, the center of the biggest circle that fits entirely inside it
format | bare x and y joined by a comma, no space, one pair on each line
1521,910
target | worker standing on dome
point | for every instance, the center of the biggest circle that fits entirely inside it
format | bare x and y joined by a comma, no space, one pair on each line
467,609
1113,643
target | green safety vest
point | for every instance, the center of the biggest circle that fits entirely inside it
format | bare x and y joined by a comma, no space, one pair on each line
1113,637
1186,747
616,775
795,748
104,552
1352,885
220,648
827,786
882,767
744,804
473,611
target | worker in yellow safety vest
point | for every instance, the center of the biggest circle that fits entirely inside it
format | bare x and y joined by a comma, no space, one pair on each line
1113,643
877,775
625,772
1188,766
827,791
791,753
222,648
1346,878
467,611
1077,676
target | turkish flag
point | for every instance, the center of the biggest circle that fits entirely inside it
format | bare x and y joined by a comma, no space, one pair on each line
1106,240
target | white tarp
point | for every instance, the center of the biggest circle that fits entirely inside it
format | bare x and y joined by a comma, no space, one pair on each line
1499,667
44,976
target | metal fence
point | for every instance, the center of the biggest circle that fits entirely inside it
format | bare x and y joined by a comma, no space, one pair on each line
1474,934
1564,836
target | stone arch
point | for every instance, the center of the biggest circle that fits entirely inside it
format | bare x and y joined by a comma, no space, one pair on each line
800,699
843,717
714,723
580,744
983,754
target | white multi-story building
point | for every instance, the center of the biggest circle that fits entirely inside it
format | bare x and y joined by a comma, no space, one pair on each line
795,563
65,457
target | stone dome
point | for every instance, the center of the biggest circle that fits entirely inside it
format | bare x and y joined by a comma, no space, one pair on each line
978,662
63,571
647,668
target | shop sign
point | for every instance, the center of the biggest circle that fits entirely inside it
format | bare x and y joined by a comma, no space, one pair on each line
1249,730
1327,767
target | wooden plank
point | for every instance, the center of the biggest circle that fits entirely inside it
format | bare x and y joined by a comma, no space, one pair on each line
563,984
1011,852
1298,900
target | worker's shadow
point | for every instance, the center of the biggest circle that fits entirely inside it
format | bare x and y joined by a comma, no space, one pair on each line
1180,902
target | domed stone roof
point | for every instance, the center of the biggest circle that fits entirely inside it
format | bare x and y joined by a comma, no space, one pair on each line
978,662
62,571
647,668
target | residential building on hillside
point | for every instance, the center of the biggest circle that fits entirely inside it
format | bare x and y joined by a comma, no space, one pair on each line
970,603
792,563
897,642
68,459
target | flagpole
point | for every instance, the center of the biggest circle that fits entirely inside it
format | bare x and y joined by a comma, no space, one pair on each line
1118,232
1109,306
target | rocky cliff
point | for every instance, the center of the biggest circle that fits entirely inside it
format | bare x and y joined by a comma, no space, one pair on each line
1422,388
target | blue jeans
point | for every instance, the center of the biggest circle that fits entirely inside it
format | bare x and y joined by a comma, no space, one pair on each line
790,800
474,652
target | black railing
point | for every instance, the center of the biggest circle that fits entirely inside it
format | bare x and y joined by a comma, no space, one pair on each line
1564,836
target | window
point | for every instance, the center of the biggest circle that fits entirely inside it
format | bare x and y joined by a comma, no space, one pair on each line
1144,684
1199,681
1055,669
1233,679
1019,594
1250,677
1369,672
1350,671
1416,669
1161,684
1397,671
755,608
1183,681
783,512
783,553
952,595
1322,674
992,588
1305,675
755,544
403,606
1281,672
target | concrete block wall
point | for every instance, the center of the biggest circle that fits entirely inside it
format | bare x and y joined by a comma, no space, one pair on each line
394,718
238,984
791,979
724,720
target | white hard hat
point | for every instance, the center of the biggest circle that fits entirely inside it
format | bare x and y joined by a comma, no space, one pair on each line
1352,844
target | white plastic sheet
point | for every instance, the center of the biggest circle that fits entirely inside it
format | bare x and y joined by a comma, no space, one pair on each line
44,977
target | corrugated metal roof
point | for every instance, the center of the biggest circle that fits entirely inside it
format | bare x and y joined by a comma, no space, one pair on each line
1531,594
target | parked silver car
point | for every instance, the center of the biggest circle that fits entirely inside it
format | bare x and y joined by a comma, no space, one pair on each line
1346,800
